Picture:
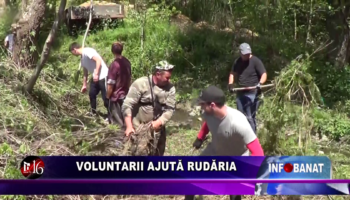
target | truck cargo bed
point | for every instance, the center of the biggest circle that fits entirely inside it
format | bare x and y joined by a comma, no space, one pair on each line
99,12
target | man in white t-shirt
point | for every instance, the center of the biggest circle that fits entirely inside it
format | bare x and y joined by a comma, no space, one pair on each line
92,62
9,43
231,132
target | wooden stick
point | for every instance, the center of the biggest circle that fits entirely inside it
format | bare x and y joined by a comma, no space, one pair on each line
253,87
87,29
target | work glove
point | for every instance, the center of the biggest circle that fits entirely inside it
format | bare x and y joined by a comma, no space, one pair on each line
258,89
231,88
258,86
197,143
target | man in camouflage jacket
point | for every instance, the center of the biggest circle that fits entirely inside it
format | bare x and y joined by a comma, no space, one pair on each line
140,108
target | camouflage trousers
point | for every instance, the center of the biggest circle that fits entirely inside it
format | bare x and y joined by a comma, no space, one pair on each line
146,142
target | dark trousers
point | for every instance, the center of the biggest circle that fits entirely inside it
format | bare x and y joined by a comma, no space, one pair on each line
161,143
115,112
248,104
95,89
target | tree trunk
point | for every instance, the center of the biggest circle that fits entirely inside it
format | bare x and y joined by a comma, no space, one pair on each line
295,26
342,58
343,55
308,39
47,47
4,3
24,5
339,32
26,32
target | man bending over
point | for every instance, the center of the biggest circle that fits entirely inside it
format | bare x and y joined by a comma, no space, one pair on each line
92,62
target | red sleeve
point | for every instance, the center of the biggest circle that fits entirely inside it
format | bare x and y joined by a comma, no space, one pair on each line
203,132
113,71
255,148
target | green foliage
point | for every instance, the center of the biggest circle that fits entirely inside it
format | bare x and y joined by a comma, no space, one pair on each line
294,83
334,83
205,51
333,124
294,110
5,22
159,39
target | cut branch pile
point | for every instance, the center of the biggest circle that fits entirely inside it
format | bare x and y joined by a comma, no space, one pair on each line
295,84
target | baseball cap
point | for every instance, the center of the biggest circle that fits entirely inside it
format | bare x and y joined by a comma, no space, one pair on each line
212,94
244,48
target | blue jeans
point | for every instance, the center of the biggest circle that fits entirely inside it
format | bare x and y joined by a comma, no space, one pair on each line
248,104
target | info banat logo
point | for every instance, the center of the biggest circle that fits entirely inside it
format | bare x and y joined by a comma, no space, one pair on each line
32,167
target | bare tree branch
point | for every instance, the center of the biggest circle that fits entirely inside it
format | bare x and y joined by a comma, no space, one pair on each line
47,47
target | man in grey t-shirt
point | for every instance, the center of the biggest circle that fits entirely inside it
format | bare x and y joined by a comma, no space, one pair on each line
231,132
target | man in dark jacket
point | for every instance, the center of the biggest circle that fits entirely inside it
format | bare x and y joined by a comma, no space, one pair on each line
248,71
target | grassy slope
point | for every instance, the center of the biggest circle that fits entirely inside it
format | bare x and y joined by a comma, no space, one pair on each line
52,122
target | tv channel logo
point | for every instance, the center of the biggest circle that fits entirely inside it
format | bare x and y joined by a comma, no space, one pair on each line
32,167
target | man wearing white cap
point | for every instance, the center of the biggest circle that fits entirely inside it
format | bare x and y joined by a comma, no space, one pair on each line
247,71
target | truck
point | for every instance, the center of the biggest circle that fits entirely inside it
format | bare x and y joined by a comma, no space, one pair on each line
77,17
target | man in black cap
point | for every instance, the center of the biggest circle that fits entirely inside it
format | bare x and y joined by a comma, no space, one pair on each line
247,71
231,132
